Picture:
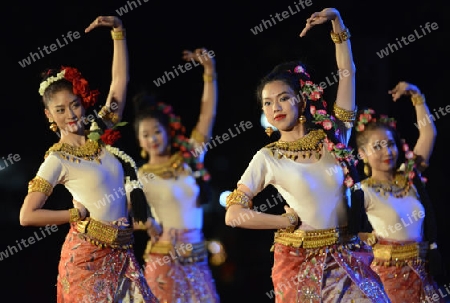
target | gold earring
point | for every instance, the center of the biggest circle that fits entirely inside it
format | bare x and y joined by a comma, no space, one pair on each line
367,169
53,126
302,119
269,131
143,154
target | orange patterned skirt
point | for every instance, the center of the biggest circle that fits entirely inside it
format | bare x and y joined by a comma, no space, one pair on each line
331,273
89,273
405,280
180,273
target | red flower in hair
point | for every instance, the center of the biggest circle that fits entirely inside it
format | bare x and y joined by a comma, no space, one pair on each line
110,136
80,86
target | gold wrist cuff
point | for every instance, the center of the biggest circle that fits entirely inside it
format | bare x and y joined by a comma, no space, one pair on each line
209,78
106,114
417,99
119,35
344,114
74,215
338,38
238,197
293,220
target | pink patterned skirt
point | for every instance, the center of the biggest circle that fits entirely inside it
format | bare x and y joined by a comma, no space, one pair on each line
405,280
179,272
91,272
318,273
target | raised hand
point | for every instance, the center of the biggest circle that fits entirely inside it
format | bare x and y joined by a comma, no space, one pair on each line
403,88
201,56
105,21
321,17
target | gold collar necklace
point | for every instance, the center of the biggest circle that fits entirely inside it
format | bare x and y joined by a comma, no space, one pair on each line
306,146
168,169
89,151
399,187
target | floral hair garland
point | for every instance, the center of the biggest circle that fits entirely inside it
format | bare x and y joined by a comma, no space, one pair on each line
80,85
320,116
369,116
182,142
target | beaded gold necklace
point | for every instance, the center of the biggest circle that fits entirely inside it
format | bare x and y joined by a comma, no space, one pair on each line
167,170
306,146
399,187
90,151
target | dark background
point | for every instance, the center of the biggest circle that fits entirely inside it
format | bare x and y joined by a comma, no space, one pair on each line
157,32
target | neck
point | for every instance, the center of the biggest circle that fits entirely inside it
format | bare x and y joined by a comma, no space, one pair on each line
74,139
297,132
383,175
158,159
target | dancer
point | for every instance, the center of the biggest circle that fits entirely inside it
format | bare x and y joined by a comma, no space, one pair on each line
175,184
317,254
97,261
397,203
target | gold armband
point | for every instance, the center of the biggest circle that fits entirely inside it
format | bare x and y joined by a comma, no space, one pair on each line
118,35
209,78
338,38
40,185
238,197
417,99
106,114
198,137
74,215
344,114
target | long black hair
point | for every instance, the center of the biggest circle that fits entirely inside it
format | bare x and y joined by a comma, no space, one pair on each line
294,74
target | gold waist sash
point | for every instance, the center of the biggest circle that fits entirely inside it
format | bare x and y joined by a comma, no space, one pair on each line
314,238
391,254
184,253
105,235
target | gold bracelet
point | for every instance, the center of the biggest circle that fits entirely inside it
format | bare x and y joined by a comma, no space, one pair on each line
240,198
118,35
209,78
74,215
417,99
106,114
293,220
338,38
344,114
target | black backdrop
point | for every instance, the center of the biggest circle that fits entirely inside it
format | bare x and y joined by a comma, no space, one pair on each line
157,33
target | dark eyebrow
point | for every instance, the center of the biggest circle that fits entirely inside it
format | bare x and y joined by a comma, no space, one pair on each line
282,93
71,102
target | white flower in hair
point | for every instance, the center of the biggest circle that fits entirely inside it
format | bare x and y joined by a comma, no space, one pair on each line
50,80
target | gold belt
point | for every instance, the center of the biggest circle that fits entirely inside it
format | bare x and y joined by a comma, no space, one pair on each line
396,254
312,239
182,252
105,235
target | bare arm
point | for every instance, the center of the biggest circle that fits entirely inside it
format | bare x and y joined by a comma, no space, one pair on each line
120,75
427,129
345,98
208,106
32,214
239,216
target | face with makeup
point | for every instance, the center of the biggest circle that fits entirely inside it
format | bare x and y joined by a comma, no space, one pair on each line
281,105
153,137
65,109
380,150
